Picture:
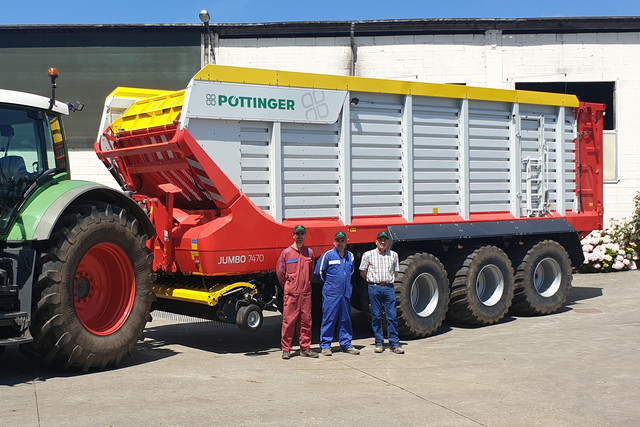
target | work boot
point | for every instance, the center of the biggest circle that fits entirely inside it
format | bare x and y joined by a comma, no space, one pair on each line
286,355
309,353
397,350
326,352
351,350
379,349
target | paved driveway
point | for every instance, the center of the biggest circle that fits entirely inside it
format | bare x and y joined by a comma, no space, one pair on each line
579,367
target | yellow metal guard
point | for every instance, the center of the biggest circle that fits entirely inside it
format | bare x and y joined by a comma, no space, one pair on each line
206,297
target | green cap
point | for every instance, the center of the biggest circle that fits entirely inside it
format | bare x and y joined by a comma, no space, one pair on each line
340,235
383,234
299,229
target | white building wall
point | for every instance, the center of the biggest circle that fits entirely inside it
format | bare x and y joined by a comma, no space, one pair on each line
85,165
492,59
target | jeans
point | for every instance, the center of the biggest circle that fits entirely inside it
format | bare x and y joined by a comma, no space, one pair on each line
384,297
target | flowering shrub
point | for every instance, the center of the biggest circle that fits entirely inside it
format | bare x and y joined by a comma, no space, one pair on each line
605,250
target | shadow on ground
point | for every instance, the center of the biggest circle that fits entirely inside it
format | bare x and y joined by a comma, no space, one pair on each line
164,336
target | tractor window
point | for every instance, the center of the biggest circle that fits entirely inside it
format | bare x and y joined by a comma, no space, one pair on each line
22,158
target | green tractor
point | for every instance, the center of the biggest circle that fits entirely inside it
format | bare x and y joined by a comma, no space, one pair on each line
75,271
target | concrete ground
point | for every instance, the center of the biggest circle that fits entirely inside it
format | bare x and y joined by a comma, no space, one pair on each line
579,367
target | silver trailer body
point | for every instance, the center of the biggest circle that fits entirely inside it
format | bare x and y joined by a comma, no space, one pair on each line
316,152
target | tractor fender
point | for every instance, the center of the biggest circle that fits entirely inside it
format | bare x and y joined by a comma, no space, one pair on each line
39,217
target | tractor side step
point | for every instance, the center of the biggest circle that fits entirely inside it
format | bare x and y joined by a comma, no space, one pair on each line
15,340
14,321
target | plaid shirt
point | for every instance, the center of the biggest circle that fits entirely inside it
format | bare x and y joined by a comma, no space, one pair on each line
380,268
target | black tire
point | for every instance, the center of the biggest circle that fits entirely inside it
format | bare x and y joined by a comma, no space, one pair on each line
422,295
360,295
93,294
249,318
316,304
543,279
482,290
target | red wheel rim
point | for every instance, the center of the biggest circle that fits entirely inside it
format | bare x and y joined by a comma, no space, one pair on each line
104,289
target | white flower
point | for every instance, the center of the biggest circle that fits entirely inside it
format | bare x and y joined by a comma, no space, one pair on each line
587,248
621,252
608,258
596,266
626,262
619,258
632,266
617,265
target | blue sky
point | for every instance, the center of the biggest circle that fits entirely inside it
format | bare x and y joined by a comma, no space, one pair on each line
251,11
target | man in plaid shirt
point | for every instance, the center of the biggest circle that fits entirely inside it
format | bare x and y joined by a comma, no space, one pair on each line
379,267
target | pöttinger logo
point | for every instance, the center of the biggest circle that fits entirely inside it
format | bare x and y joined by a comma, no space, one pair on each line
316,108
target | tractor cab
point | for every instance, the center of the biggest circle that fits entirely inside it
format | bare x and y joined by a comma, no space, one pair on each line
32,147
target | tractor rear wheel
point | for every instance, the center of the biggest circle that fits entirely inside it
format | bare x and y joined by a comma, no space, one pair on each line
482,289
93,295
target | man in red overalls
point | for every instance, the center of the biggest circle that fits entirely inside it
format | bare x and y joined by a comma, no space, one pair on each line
294,270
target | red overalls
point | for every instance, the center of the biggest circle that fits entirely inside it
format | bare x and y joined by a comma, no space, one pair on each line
294,270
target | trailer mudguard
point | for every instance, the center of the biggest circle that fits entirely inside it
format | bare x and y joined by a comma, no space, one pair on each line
41,213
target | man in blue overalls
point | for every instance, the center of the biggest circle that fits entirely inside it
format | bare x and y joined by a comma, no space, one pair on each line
335,268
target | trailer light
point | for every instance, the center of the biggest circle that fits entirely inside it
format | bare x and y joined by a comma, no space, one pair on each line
460,246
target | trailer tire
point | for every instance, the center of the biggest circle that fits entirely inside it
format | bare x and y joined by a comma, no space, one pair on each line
543,279
93,294
482,289
249,318
422,295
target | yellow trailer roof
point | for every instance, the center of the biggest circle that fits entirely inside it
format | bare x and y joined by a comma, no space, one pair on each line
161,108
364,84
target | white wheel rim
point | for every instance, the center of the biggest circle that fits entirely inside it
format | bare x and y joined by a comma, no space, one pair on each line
547,277
253,319
490,285
424,295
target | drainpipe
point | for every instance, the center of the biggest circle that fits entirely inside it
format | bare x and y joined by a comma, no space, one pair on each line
354,53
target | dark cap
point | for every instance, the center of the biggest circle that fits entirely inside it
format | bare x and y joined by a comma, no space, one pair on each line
340,235
382,234
299,229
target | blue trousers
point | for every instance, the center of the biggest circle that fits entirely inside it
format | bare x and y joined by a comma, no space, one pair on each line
336,311
384,297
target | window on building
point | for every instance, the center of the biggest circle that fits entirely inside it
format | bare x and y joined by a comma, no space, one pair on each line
600,92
